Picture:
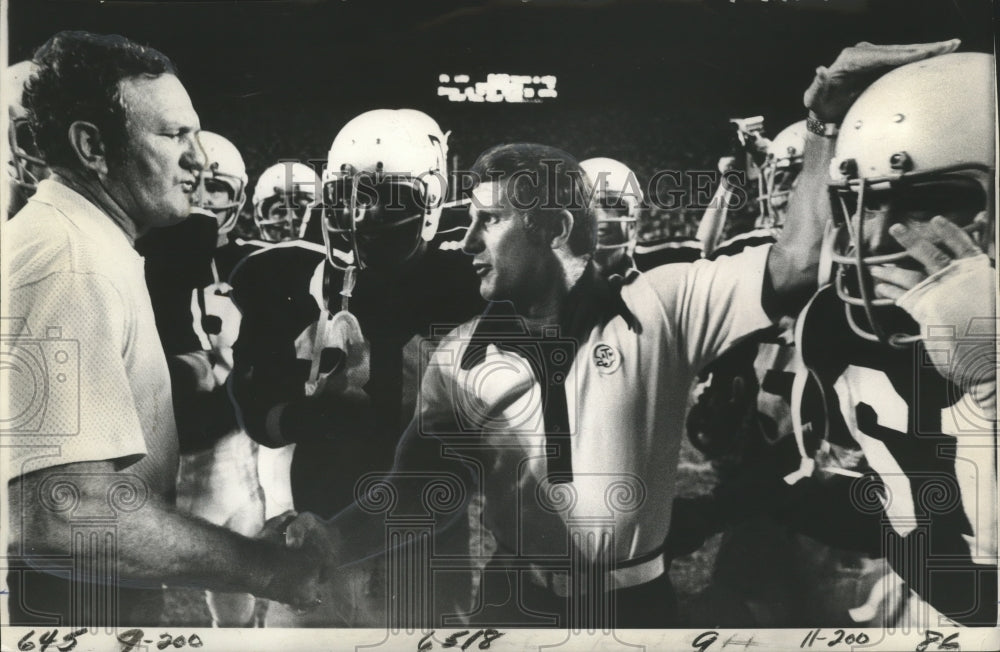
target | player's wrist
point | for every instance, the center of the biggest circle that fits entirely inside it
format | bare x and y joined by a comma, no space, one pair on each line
264,568
821,127
829,97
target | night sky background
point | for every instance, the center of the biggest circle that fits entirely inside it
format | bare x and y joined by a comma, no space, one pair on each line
650,83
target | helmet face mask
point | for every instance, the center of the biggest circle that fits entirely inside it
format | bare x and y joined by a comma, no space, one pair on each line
617,223
919,142
283,201
383,188
863,211
222,184
25,167
779,173
617,230
220,195
777,183
283,215
617,205
378,219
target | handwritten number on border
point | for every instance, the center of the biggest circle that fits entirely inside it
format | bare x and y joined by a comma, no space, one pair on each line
47,639
487,635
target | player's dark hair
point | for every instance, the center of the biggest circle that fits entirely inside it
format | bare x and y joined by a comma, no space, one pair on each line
78,80
543,181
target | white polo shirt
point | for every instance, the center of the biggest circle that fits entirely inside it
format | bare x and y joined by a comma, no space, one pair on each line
627,397
91,381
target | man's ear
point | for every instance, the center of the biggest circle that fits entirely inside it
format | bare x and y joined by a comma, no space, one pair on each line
85,139
562,228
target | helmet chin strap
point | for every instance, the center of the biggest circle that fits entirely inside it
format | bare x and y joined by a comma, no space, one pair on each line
357,214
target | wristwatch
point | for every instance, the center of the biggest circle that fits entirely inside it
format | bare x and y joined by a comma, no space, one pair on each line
820,128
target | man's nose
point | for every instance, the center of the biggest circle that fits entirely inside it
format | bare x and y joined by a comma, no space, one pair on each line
472,243
194,157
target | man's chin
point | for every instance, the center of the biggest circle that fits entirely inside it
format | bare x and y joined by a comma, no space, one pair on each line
487,291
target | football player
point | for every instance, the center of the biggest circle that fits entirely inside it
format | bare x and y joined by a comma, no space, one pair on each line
617,204
25,166
283,201
186,268
912,310
767,406
781,168
744,163
328,352
776,178
618,200
324,357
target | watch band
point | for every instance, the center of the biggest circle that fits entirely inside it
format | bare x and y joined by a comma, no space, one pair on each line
820,128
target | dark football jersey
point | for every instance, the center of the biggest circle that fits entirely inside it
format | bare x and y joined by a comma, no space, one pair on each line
281,292
933,480
180,260
185,275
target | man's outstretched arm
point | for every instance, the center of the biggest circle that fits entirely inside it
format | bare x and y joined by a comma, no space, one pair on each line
154,543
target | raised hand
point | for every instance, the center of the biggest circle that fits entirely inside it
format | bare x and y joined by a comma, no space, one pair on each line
834,89
953,298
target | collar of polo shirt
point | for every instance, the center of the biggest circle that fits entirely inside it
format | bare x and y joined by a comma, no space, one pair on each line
593,301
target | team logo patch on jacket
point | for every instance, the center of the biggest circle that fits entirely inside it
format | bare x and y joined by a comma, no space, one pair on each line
607,359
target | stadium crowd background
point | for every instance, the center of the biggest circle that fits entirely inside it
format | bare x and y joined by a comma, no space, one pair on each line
650,84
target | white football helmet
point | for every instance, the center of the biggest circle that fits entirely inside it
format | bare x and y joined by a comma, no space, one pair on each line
224,171
618,192
25,165
779,171
283,200
919,141
384,186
